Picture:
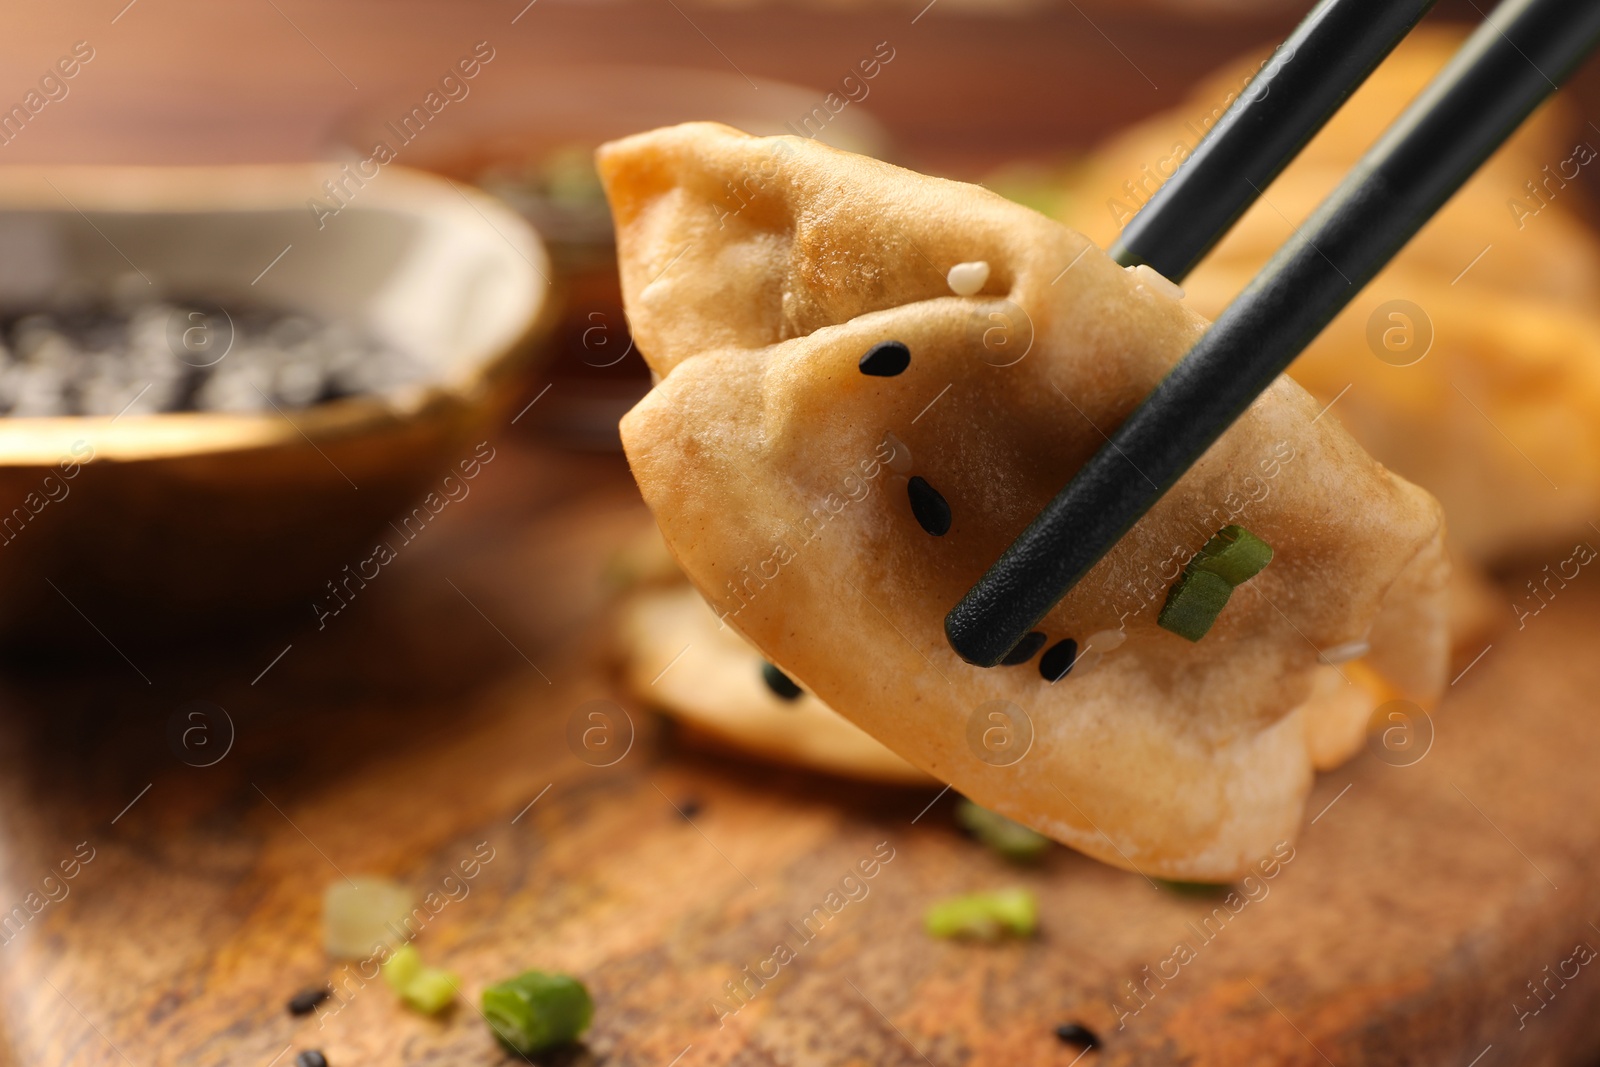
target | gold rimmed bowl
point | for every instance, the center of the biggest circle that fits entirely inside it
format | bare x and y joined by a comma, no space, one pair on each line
205,516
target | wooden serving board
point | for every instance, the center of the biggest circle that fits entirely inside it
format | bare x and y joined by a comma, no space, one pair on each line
415,731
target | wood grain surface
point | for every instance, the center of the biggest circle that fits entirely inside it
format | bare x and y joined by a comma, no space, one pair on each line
414,732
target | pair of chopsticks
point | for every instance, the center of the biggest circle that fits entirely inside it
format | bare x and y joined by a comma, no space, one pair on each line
1507,68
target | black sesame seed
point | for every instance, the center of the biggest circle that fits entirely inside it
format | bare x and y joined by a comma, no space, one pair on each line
885,359
688,809
781,684
1030,643
306,1001
928,506
1057,661
311,1058
1077,1034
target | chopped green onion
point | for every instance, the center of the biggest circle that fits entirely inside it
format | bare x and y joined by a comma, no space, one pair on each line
1011,839
1232,557
1234,554
402,967
985,916
1194,603
536,1011
431,991
427,989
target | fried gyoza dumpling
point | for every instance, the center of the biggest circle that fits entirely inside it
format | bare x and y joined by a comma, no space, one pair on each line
678,657
706,676
1471,364
839,445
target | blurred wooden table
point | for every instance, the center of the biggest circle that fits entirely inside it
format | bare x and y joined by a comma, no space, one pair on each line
269,79
419,727
974,82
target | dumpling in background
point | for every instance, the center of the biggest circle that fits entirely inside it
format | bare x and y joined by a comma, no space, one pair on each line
704,675
1471,365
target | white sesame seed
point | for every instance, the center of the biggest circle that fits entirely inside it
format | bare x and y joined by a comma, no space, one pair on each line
1157,281
1105,640
966,279
899,456
1344,653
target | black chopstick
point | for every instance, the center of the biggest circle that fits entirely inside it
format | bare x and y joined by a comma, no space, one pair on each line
1311,74
1504,70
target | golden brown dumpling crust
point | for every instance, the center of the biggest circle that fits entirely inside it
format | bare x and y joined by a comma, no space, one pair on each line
758,271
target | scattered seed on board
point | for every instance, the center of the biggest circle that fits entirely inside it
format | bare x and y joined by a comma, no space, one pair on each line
311,1058
781,684
1057,661
306,1001
928,506
885,359
1025,649
967,279
1077,1034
